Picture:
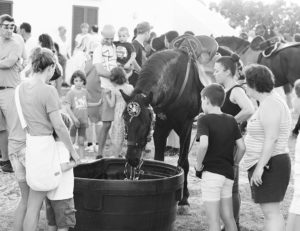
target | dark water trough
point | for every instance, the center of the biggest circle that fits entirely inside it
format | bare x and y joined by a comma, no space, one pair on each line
105,201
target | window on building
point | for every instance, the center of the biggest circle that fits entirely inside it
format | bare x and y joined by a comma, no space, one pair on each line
6,7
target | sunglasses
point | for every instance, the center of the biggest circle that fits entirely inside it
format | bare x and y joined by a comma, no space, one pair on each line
8,26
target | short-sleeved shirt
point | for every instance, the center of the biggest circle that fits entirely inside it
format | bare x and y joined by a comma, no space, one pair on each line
38,100
124,51
106,55
10,77
222,131
78,101
140,52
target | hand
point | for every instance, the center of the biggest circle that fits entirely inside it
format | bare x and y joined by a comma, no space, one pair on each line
100,102
256,177
127,66
75,157
76,122
106,90
199,167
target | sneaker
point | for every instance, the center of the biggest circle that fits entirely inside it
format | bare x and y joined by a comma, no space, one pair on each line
3,162
7,167
99,157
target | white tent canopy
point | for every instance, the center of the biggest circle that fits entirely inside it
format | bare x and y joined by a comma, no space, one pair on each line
165,15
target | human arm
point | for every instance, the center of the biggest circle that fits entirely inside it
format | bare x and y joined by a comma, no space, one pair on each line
9,61
95,104
240,151
110,97
203,133
201,151
239,97
71,114
63,133
68,104
131,59
269,116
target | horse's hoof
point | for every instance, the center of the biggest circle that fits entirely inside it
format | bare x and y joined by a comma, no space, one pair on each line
184,202
183,210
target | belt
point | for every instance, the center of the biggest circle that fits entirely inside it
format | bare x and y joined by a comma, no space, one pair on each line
2,88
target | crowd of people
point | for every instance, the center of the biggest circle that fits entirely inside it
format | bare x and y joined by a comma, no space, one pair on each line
37,118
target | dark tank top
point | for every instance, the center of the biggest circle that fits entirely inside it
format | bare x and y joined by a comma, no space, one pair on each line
229,107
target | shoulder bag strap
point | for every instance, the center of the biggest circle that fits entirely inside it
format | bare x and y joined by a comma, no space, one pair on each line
19,108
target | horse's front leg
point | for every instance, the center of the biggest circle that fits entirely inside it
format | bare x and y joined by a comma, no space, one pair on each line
183,161
161,132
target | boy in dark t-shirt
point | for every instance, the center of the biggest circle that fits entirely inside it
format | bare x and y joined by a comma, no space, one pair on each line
125,51
219,134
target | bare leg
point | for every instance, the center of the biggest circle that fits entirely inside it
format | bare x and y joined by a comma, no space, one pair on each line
22,207
227,214
81,146
212,210
102,136
273,218
35,201
4,145
293,222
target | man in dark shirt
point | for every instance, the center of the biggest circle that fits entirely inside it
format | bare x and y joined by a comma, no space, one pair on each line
143,34
219,133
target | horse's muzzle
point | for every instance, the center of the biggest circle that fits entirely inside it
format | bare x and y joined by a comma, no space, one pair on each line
133,155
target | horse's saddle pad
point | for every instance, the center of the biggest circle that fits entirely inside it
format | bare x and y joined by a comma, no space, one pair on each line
275,48
189,44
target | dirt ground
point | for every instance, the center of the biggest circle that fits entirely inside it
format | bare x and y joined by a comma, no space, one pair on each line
193,219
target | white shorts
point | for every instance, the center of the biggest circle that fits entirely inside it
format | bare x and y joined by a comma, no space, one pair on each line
295,204
215,187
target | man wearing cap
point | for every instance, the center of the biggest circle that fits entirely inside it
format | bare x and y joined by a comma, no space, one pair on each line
105,59
143,34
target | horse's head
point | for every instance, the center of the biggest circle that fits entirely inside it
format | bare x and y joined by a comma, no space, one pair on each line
138,117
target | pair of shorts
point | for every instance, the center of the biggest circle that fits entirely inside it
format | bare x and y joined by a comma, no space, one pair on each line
18,163
295,204
94,114
61,213
215,187
275,180
81,131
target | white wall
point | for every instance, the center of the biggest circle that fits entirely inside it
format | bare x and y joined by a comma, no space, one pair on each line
45,16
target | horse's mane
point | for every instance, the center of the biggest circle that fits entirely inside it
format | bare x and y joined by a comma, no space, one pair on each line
234,43
155,67
225,51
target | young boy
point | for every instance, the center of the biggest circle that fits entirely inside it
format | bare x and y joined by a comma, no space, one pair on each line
219,134
60,210
125,51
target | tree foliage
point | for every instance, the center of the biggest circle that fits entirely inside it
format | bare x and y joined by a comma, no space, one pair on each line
281,15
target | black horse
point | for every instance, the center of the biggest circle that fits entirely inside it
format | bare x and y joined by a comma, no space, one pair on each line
283,62
169,82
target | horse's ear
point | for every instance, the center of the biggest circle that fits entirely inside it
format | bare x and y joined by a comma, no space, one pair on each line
149,98
256,42
125,96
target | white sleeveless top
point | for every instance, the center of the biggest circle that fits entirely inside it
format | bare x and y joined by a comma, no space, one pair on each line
255,137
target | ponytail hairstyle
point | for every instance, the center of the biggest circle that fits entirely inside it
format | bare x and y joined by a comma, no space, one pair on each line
41,58
229,63
118,75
